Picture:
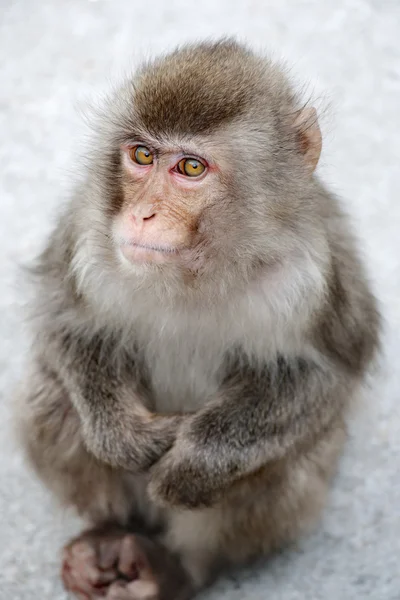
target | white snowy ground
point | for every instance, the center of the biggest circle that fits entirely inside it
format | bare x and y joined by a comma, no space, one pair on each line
53,53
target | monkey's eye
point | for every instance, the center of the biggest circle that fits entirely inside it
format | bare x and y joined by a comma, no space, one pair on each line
191,167
141,155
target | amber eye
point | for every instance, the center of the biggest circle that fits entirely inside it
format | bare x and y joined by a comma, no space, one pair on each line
191,167
141,155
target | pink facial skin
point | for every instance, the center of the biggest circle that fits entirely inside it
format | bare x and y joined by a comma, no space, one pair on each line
142,233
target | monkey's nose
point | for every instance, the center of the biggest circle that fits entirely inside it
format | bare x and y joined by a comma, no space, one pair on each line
150,217
141,217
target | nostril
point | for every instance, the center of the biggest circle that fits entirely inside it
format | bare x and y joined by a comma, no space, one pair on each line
150,217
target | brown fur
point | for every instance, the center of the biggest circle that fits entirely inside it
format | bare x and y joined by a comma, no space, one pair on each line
206,396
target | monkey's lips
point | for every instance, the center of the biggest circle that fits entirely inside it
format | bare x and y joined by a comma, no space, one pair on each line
148,253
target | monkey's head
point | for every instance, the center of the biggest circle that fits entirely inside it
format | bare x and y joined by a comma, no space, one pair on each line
207,162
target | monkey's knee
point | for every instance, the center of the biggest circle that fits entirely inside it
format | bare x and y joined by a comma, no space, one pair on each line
50,433
208,541
211,540
261,514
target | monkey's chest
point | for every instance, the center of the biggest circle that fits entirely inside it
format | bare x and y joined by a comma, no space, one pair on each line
186,353
183,376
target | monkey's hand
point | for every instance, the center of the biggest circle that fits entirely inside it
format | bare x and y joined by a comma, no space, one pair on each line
133,440
259,416
186,475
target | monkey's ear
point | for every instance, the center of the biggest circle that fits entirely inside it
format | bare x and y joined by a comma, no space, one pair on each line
309,136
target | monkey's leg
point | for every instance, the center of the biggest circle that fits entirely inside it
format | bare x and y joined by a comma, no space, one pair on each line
259,514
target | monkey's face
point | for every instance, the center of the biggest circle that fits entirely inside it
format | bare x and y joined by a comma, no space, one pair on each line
165,194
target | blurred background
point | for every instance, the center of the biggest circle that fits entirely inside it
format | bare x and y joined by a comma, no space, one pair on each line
54,57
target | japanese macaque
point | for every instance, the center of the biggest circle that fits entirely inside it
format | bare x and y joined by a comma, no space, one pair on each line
202,325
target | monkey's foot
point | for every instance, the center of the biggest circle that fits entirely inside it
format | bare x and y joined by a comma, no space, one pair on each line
101,563
117,565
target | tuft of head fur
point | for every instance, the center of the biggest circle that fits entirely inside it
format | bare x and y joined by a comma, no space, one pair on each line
199,88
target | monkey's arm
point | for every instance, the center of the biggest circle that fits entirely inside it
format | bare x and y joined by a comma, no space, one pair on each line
259,416
106,390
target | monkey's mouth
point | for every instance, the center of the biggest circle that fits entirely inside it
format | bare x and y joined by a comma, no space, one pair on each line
157,248
148,253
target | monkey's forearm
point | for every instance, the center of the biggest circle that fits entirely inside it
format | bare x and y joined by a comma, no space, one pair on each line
117,427
258,417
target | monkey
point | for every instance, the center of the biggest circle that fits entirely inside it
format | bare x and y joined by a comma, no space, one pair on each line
202,325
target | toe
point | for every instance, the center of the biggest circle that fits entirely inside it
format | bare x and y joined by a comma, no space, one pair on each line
135,590
108,553
129,557
118,591
143,590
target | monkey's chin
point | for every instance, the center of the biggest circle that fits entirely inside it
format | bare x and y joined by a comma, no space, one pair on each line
142,255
